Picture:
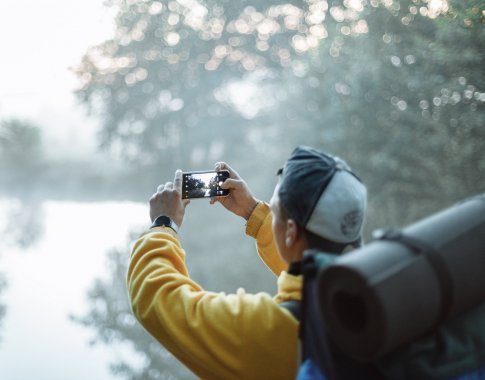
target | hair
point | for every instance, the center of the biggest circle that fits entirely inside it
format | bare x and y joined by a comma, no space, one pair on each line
328,246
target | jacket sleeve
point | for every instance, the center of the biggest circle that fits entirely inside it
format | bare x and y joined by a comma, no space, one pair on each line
217,336
259,227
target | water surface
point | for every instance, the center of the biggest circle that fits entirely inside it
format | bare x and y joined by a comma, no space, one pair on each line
48,280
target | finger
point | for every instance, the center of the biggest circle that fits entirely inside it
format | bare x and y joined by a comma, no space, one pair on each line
160,188
232,184
217,200
213,200
177,181
224,166
169,185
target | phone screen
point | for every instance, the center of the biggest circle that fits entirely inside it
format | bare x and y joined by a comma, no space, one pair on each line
204,184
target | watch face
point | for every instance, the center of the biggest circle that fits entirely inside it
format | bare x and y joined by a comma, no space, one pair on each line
163,221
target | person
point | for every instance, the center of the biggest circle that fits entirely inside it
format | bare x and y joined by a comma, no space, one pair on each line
318,202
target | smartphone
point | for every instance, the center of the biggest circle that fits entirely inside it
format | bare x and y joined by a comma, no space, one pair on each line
204,184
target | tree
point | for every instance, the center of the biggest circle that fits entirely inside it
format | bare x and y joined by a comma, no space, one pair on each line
423,138
21,155
161,84
377,79
399,104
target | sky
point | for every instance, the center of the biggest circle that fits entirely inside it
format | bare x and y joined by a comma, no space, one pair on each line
40,41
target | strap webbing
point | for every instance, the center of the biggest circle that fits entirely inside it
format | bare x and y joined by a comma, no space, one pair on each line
294,308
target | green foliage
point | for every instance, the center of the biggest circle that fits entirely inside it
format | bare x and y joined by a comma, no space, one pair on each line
397,82
421,132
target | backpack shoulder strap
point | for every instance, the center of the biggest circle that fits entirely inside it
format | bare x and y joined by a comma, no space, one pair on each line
294,307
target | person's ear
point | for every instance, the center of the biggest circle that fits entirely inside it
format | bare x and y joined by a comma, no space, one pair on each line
292,233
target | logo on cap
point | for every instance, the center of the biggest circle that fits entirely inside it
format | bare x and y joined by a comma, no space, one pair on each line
351,222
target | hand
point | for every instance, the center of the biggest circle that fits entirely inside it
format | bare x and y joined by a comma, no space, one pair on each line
168,200
240,201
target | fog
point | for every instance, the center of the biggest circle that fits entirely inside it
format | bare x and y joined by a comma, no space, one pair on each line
100,102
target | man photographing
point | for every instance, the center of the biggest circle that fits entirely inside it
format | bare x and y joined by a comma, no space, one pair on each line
317,203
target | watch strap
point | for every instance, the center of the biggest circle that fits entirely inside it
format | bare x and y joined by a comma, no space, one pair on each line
165,221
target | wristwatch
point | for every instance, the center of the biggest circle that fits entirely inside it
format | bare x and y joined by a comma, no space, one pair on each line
165,221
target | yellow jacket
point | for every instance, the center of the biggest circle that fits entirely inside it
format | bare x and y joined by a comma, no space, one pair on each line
216,335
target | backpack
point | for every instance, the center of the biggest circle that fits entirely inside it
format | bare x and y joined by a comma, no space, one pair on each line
424,287
321,358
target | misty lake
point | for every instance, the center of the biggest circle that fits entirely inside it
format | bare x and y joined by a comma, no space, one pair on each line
48,281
